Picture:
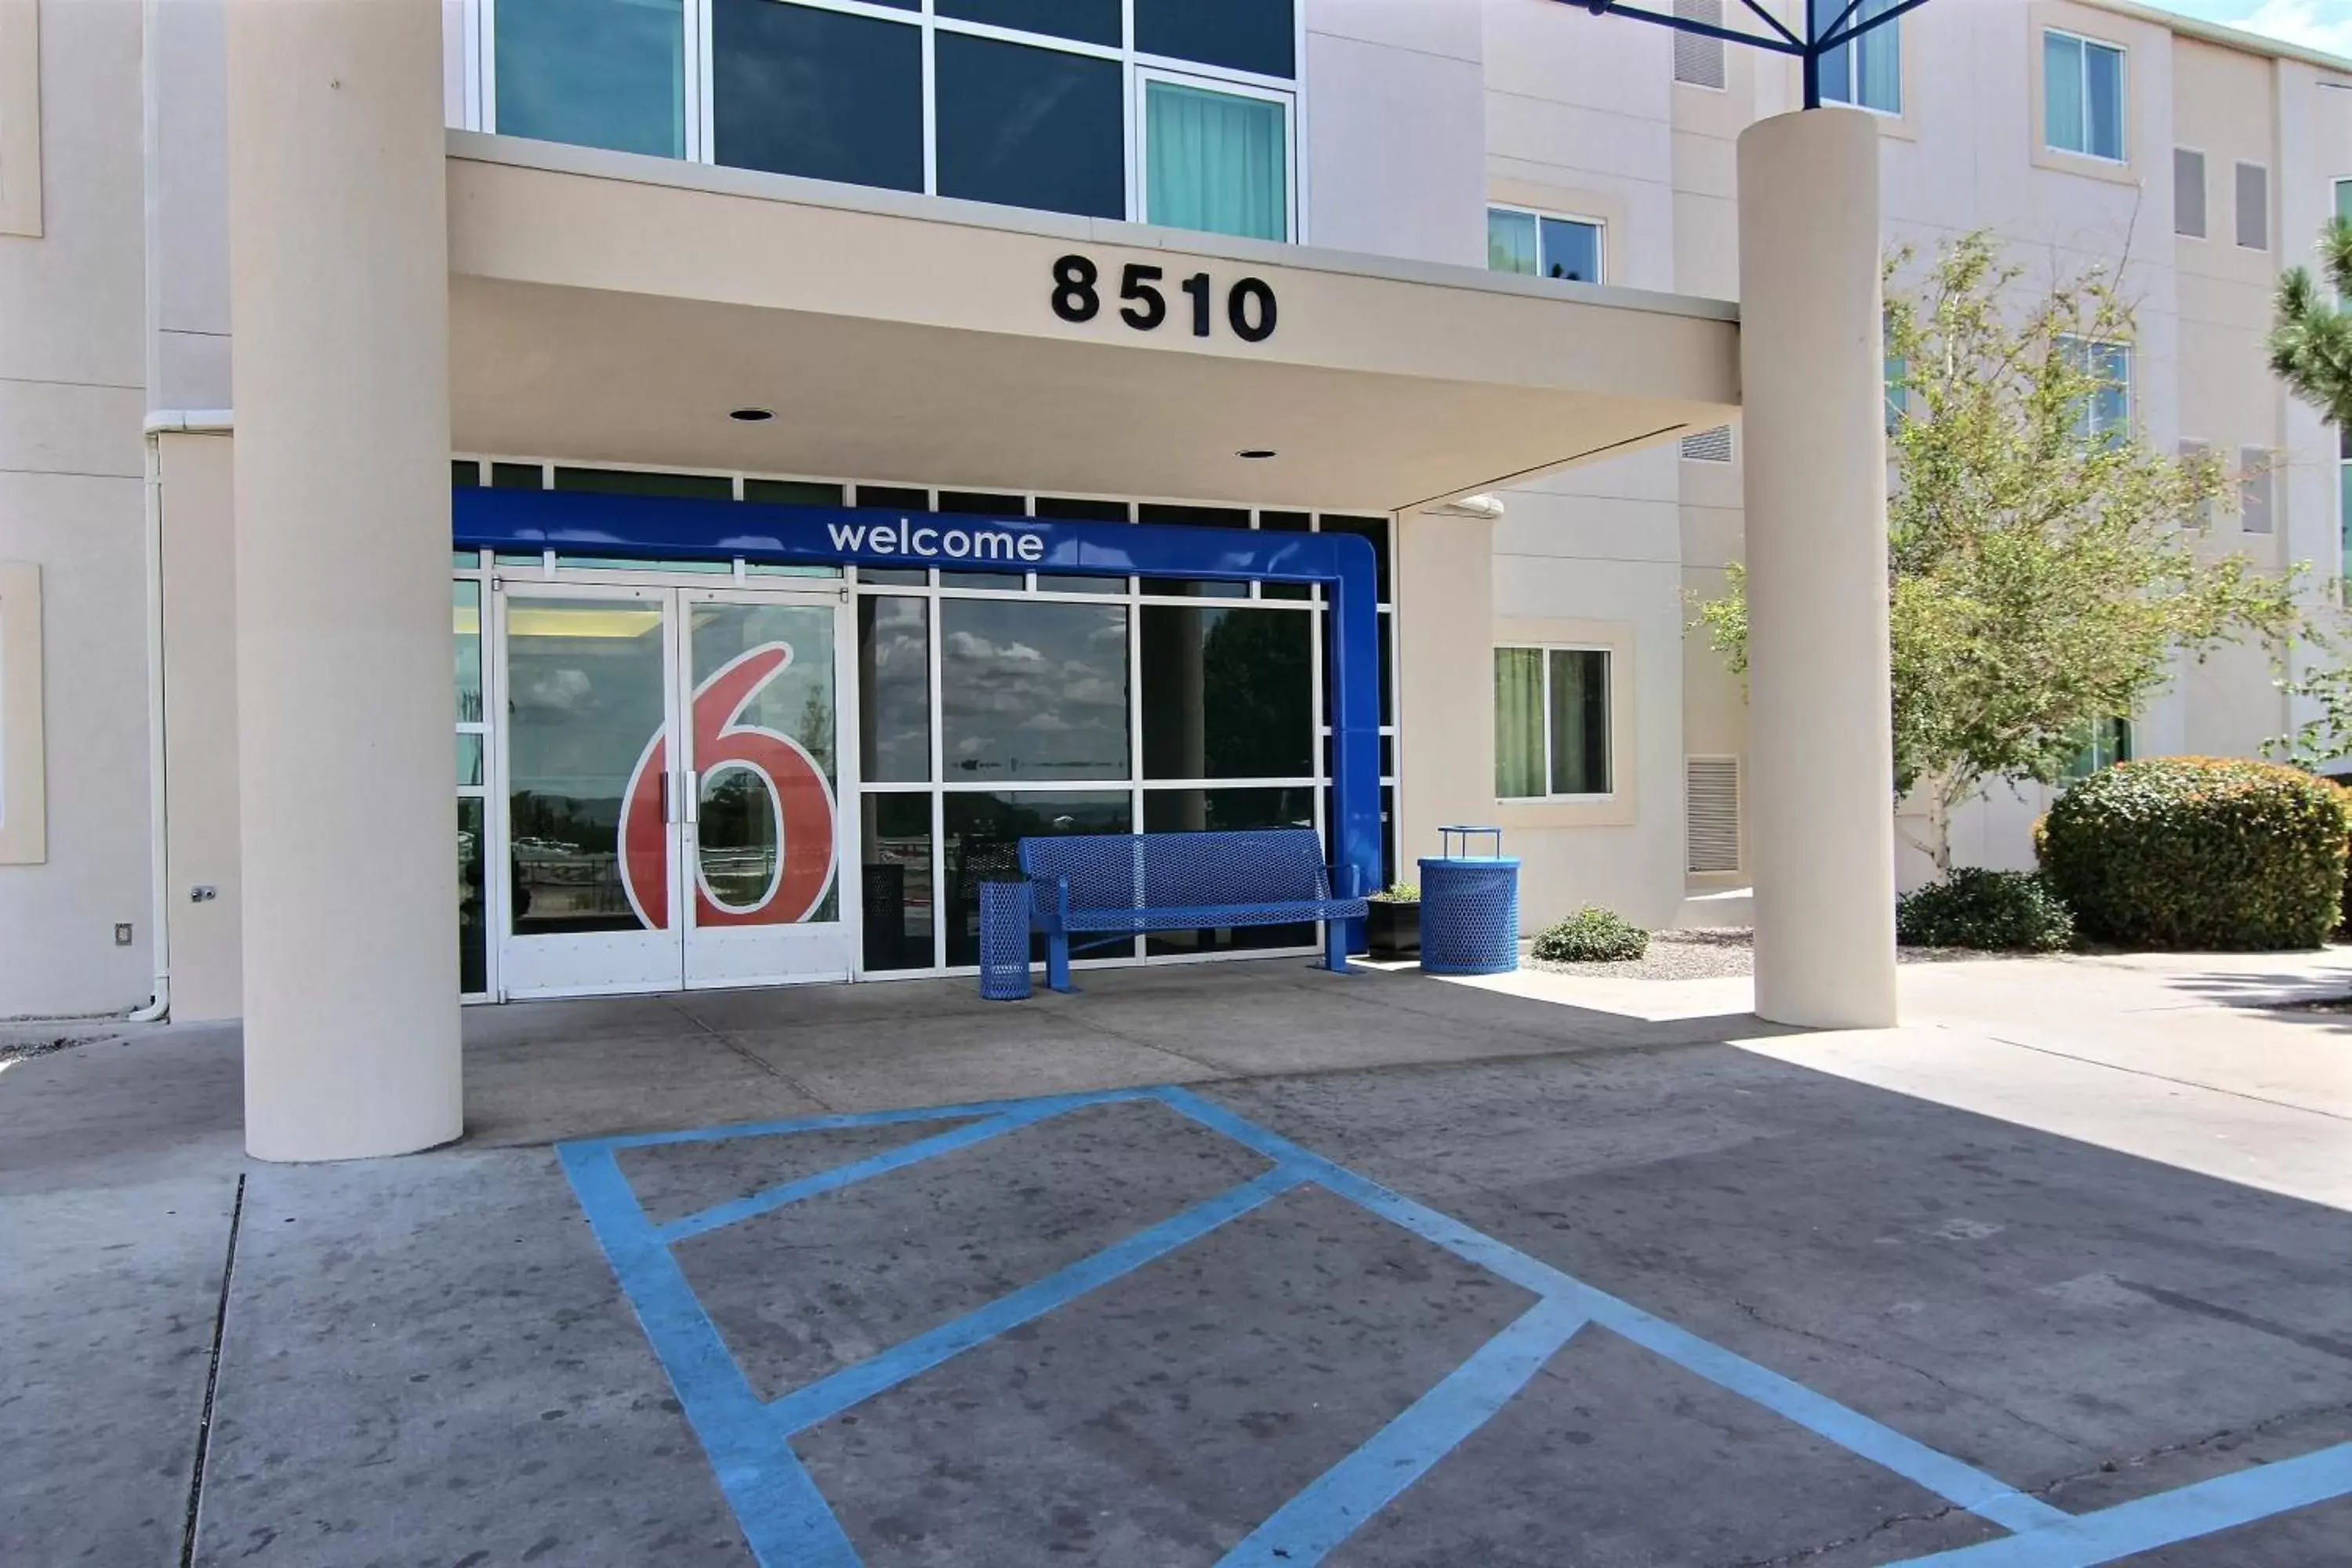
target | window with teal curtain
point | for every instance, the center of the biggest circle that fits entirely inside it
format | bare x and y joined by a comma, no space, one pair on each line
1215,161
1579,721
1519,764
2062,94
594,73
1511,242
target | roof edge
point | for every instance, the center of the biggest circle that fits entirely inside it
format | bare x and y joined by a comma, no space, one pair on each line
596,163
2226,37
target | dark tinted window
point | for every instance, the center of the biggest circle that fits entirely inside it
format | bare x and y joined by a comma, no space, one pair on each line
894,688
790,492
1092,21
636,482
1227,694
1373,530
1030,127
1247,35
897,846
800,91
894,497
1033,689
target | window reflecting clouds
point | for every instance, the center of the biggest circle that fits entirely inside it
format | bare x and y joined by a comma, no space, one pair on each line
1032,691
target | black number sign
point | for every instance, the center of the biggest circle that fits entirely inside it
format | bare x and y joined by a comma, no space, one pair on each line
1249,302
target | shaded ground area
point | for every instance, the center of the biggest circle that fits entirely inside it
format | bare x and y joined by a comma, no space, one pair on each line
431,1361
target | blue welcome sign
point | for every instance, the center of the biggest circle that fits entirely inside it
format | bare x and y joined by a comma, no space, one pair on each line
638,528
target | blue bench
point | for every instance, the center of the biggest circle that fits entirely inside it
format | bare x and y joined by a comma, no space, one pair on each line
1117,885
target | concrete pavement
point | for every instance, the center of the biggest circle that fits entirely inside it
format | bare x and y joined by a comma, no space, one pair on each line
2078,1225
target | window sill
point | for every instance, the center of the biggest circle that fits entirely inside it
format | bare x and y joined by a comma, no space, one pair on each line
1566,811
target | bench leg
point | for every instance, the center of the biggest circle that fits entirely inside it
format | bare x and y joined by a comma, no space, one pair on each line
1057,963
1335,947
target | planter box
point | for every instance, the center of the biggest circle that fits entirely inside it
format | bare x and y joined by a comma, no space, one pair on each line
1392,931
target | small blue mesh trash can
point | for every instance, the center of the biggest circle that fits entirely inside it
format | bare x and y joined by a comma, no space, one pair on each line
1469,908
1004,942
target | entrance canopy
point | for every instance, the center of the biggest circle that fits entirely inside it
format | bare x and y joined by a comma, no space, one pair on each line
620,307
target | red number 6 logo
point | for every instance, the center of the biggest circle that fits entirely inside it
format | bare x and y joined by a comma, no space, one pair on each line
804,804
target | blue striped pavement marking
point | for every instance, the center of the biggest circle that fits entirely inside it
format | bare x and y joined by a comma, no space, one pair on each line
1336,1503
828,1397
788,1523
2185,1514
962,1136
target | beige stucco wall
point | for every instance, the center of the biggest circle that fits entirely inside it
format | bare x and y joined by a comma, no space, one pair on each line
71,395
199,559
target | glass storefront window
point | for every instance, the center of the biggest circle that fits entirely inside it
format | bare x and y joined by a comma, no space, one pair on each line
1245,35
594,73
894,688
1227,694
894,843
1029,127
1089,21
585,687
984,832
745,845
796,90
473,917
466,605
1033,689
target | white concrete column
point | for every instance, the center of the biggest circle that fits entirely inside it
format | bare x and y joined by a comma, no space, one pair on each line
1819,778
340,295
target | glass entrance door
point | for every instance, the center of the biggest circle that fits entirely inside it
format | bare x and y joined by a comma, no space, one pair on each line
668,772
761,783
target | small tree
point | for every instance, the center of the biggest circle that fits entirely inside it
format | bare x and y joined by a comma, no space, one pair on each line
2311,351
2311,340
2044,567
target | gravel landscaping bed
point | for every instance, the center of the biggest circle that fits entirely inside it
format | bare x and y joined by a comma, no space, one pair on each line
1716,953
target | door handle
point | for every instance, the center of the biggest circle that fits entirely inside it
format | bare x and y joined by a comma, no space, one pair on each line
693,798
669,813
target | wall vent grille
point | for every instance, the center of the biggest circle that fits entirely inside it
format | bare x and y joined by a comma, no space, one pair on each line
1699,60
1711,796
1709,446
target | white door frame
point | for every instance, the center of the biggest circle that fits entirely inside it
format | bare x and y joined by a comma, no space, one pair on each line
624,963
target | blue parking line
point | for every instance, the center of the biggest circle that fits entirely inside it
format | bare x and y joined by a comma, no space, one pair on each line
960,1137
1336,1503
829,1396
838,1121
785,1519
788,1523
2185,1514
1947,1477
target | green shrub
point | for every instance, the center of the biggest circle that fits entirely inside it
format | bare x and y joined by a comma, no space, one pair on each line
1591,935
1993,911
2199,852
1397,893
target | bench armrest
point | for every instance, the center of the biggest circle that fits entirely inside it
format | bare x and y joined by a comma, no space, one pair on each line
1049,901
1346,881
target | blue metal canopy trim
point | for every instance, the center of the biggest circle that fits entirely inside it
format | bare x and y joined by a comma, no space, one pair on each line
648,527
1818,40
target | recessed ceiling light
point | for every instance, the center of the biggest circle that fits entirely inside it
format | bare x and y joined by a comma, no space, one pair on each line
751,415
1254,452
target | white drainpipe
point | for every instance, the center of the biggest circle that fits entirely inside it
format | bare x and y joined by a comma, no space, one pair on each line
209,421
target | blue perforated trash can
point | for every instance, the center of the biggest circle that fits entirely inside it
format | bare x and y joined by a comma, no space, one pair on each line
1004,942
1469,910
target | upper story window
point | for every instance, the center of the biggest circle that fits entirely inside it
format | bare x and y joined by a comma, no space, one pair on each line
2082,96
1867,71
2106,413
1538,244
1173,112
2189,192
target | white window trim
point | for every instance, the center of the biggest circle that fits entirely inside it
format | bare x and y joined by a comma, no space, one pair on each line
1608,685
1138,157
1600,227
2123,101
2130,382
23,807
480,26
